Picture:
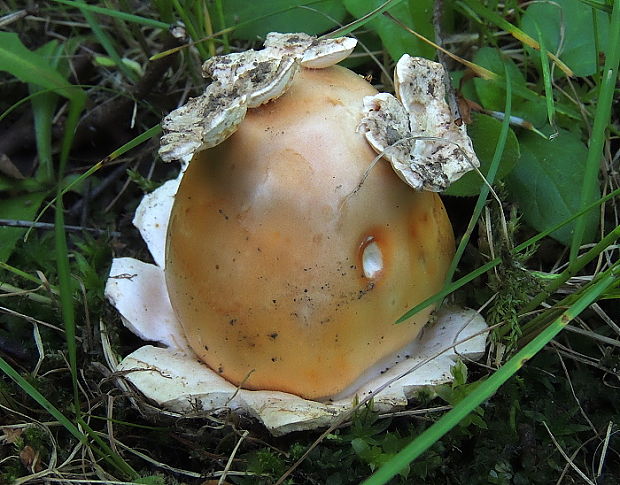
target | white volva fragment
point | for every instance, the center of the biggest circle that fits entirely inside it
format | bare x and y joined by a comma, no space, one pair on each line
420,87
372,260
328,52
277,83
202,123
314,53
386,127
152,216
138,291
430,151
288,43
240,81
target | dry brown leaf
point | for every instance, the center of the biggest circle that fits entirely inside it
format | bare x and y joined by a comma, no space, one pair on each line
30,459
8,168
11,435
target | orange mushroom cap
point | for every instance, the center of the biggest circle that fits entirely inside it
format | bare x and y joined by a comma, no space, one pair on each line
286,275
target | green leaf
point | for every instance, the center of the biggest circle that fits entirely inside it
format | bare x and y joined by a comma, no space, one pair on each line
484,132
260,18
22,208
546,183
30,67
492,95
569,23
396,40
602,123
106,41
43,107
525,103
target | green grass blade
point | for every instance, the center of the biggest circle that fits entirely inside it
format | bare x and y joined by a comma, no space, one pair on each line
23,274
76,105
207,27
62,252
41,400
360,22
105,41
32,68
489,386
43,108
138,140
491,264
219,8
601,122
164,9
544,62
80,94
66,293
116,14
597,44
8,288
191,29
25,99
448,289
112,457
66,288
530,95
602,6
485,189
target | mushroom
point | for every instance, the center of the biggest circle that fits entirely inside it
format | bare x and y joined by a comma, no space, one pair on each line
289,252
283,275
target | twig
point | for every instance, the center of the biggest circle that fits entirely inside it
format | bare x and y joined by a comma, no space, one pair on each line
594,336
572,390
573,456
231,458
414,412
49,226
158,464
601,313
566,457
30,319
599,472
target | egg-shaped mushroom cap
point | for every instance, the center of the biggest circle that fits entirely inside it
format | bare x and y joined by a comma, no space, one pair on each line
283,272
